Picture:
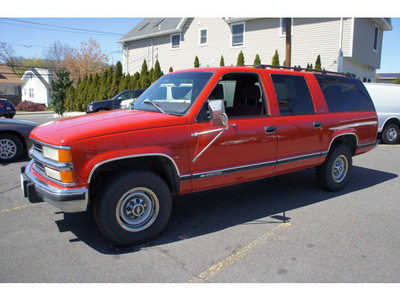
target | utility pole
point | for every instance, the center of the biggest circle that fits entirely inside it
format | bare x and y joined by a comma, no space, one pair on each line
288,42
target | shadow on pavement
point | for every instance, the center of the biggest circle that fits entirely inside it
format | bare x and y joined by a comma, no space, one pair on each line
211,211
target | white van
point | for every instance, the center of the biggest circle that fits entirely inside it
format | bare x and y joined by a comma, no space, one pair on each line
386,98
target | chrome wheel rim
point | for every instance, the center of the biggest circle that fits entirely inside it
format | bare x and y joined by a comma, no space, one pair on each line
340,167
137,209
391,134
8,149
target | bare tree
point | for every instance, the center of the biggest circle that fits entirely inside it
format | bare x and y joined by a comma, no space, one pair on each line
7,56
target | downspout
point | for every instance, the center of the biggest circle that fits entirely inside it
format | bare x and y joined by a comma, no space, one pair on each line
340,58
125,53
150,43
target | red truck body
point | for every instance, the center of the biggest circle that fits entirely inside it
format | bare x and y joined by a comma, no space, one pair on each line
171,145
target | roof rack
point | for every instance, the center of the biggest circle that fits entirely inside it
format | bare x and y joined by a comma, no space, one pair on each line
303,69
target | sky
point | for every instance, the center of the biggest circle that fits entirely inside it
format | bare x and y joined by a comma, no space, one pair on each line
30,33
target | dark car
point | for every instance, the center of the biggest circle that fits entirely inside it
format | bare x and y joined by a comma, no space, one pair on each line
7,109
14,139
122,100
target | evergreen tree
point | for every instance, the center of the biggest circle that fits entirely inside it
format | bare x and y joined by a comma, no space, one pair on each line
397,81
116,78
196,62
157,71
136,81
275,59
110,92
69,99
59,89
103,90
222,61
318,63
170,70
240,59
144,81
257,60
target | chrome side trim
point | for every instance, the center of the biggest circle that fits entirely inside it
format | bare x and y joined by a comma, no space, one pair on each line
342,134
132,156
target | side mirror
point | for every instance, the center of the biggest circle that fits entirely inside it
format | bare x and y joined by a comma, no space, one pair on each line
217,113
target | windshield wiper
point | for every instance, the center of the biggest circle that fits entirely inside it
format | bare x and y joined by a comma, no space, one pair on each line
155,105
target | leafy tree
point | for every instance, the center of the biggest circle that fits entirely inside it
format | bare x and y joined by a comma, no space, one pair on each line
222,61
87,59
397,81
275,59
318,63
196,62
59,88
240,59
257,60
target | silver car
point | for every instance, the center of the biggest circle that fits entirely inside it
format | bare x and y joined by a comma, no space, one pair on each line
14,139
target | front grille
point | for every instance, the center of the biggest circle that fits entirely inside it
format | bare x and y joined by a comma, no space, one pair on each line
37,147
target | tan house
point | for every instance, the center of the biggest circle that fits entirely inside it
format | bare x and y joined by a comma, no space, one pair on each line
10,85
352,45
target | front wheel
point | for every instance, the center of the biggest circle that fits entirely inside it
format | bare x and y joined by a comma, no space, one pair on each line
334,173
134,208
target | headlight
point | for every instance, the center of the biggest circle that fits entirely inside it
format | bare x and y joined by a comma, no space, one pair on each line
63,176
59,155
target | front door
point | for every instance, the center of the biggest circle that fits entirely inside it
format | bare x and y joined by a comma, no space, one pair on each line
247,149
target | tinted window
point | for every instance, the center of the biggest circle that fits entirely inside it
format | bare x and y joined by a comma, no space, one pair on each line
293,95
344,94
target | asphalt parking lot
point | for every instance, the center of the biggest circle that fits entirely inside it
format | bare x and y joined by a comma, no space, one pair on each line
281,229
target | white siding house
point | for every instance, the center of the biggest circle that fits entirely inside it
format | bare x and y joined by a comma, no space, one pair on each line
345,44
37,86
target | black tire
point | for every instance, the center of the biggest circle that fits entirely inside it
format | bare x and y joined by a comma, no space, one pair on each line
134,208
11,147
334,173
390,134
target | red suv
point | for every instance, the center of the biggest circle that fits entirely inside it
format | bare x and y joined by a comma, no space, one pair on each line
196,130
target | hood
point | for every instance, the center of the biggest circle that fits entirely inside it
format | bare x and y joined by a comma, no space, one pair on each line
64,132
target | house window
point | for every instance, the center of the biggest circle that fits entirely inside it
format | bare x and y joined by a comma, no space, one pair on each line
176,41
8,90
237,34
203,37
31,95
282,25
376,38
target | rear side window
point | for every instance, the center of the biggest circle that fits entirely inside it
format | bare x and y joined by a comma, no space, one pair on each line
344,94
293,95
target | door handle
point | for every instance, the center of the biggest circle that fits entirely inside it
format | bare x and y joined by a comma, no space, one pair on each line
317,125
270,129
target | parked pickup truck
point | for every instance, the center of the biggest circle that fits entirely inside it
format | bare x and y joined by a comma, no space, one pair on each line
386,98
196,130
122,100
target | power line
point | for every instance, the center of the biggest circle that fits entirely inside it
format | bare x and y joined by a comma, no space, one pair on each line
61,28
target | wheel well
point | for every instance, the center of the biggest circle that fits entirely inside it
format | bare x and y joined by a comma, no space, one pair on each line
391,121
158,165
348,140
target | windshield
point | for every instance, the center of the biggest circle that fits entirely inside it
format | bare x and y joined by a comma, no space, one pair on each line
173,93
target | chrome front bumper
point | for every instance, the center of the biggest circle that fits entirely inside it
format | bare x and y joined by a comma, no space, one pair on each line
67,200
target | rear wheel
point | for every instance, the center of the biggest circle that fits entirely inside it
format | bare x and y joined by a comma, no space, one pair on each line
134,208
334,173
390,134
